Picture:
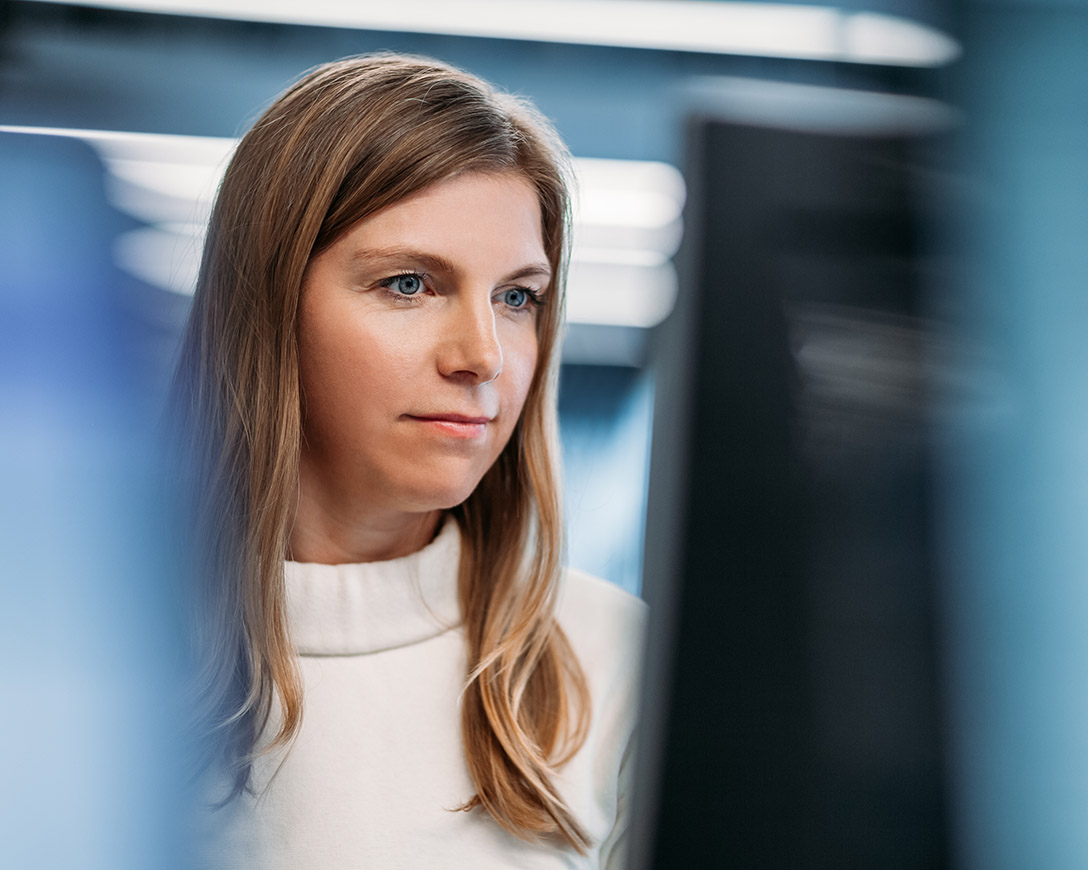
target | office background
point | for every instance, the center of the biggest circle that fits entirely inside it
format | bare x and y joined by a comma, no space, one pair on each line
88,344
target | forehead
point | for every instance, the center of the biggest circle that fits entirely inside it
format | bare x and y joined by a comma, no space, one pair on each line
495,216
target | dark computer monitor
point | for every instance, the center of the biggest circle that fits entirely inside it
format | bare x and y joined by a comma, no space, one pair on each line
793,715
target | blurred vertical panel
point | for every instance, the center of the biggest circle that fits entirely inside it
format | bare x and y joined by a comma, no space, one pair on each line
1016,461
795,714
89,664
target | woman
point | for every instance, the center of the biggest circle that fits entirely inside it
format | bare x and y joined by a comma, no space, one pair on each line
368,385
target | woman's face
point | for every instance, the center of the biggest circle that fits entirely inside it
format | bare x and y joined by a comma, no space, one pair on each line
417,344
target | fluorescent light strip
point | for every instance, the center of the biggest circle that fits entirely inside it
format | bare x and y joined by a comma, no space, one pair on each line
618,195
124,145
761,29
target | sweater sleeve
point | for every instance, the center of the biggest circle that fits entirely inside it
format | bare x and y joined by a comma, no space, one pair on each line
606,627
613,854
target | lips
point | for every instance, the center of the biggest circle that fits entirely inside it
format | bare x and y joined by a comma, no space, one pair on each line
452,418
467,428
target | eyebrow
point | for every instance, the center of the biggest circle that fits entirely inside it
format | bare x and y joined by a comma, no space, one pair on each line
436,263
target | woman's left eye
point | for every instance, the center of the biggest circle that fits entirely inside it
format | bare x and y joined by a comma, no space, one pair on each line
517,297
404,285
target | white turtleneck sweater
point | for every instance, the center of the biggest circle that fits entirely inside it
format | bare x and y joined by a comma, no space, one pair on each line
375,774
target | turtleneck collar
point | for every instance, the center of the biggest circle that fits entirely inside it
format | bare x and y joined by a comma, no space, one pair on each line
368,607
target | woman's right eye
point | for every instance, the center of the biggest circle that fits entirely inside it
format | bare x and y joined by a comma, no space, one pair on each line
404,285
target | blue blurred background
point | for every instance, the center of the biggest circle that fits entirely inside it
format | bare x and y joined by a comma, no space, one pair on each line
117,121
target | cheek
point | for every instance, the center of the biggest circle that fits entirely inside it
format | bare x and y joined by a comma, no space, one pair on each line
520,365
346,366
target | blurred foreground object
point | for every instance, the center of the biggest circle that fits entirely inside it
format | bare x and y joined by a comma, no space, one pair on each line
790,547
1016,456
89,670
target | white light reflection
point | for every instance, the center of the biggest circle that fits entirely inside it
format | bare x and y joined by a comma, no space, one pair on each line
762,29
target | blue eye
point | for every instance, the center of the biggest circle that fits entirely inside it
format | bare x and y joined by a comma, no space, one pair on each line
405,285
516,297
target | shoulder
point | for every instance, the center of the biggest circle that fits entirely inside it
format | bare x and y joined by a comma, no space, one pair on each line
605,624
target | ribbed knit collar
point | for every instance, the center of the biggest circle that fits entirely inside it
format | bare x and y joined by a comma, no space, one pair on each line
373,606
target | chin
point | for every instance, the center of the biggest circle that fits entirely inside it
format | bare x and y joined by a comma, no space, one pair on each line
441,498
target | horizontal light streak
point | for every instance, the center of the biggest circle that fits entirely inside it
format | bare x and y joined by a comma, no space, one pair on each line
744,28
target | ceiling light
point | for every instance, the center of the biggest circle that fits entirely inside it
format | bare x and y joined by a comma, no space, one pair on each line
762,29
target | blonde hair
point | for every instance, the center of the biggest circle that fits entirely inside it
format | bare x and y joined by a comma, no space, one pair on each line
347,140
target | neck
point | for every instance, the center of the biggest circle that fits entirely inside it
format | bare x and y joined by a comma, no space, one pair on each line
332,533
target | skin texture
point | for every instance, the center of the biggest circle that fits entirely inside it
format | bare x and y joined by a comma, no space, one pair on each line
417,346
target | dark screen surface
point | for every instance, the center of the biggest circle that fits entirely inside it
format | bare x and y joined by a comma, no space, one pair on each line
793,714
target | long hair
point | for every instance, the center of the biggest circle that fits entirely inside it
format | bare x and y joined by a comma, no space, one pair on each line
347,140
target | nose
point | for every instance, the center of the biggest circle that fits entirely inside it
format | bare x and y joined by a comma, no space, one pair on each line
470,348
